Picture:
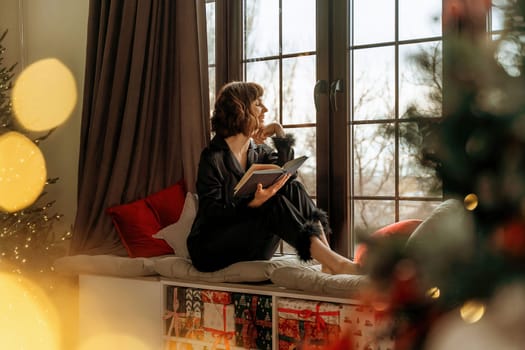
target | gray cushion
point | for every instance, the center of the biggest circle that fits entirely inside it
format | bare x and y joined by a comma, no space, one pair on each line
311,279
111,265
445,237
246,271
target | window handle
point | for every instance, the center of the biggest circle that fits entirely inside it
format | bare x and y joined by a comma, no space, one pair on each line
321,87
335,88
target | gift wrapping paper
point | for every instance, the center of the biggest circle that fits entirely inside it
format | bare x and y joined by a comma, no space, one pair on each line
216,297
311,323
174,314
263,322
367,326
183,315
219,324
253,321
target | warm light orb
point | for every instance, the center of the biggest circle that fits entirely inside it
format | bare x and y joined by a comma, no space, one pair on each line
28,320
22,172
44,95
471,201
113,341
434,293
472,311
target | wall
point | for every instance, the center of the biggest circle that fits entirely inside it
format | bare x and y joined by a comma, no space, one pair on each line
42,29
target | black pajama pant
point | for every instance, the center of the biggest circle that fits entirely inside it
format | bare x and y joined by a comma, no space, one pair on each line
290,215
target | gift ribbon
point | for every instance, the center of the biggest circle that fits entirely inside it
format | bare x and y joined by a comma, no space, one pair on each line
248,330
221,335
320,323
174,315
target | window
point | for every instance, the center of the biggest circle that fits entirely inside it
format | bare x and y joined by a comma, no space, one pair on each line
357,82
389,95
279,46
210,29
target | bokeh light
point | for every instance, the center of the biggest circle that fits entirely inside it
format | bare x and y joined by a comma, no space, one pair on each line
471,201
472,311
44,95
22,172
28,320
434,293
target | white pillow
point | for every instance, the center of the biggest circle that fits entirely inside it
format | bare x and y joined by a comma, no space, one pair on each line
176,234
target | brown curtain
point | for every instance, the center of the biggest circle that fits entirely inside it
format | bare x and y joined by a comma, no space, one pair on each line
145,110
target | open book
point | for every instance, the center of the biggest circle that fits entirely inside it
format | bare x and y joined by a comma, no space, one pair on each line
266,174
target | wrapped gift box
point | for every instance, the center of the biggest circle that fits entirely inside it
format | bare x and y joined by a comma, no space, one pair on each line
174,314
183,316
216,297
367,326
253,321
194,307
219,324
307,323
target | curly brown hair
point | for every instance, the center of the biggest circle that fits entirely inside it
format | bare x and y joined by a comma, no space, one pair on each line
231,114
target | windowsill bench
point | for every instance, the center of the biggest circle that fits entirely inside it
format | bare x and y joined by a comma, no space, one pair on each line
166,312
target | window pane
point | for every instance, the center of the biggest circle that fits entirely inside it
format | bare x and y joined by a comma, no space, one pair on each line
369,215
373,83
420,91
210,27
415,179
497,14
298,84
305,144
419,18
298,26
210,36
373,21
211,85
261,28
373,160
266,73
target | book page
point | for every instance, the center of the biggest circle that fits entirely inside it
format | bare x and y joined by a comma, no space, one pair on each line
265,174
255,167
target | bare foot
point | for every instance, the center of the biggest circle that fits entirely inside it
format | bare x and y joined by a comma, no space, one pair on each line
326,269
347,267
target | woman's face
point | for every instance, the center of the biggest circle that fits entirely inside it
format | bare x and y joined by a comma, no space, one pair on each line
258,109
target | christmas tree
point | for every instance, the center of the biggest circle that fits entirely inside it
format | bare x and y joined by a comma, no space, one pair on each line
28,241
478,151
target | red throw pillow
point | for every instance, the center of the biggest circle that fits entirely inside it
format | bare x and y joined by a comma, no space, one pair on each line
402,228
135,223
167,204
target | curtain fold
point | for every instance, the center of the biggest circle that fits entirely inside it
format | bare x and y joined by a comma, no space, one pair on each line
145,114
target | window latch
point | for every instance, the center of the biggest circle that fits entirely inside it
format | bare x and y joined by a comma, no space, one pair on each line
336,87
321,87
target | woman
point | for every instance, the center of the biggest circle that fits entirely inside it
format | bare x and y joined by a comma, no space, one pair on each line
229,229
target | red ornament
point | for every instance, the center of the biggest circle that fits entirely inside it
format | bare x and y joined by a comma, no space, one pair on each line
511,238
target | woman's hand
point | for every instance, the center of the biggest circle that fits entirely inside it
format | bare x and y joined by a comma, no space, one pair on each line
263,194
260,135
